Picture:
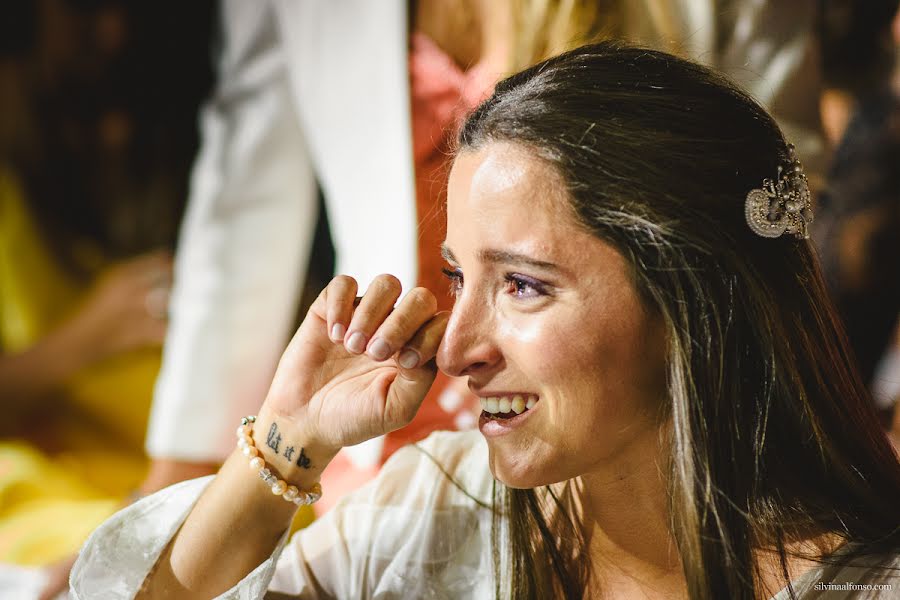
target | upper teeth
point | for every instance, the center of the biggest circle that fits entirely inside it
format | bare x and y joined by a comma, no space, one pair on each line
504,404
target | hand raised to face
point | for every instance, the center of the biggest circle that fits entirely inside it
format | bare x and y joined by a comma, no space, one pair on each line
358,368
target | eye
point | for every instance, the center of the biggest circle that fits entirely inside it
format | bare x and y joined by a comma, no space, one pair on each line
524,287
456,280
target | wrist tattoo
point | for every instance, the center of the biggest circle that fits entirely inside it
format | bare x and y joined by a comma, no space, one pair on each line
273,441
303,461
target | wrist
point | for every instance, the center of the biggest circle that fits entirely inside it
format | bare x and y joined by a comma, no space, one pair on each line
259,501
289,450
282,458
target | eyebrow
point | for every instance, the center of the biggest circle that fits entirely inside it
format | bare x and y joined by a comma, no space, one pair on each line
502,256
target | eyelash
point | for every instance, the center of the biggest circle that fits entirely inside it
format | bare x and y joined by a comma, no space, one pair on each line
456,279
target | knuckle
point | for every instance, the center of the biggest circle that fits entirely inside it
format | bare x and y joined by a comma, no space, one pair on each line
336,291
386,283
343,282
422,299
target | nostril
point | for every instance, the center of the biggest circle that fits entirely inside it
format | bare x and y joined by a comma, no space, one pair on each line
466,347
474,369
458,365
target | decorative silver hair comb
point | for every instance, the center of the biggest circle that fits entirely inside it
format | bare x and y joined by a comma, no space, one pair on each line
783,205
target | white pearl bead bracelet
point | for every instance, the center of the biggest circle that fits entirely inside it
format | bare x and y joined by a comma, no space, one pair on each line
279,487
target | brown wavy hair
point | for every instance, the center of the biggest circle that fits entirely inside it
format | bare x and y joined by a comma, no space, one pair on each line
773,437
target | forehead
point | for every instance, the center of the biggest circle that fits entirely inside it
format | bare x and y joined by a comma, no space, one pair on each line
505,193
503,199
501,175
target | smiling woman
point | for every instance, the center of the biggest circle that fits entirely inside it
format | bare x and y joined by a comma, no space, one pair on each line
528,278
668,407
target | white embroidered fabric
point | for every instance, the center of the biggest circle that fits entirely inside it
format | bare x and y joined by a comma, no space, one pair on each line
411,533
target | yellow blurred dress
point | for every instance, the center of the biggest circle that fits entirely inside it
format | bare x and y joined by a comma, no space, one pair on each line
70,467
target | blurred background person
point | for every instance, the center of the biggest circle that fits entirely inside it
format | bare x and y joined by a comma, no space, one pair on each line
97,132
857,229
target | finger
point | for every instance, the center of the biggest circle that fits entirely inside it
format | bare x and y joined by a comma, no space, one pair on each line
148,332
339,298
156,331
409,388
416,308
423,346
159,260
405,396
156,302
148,270
376,304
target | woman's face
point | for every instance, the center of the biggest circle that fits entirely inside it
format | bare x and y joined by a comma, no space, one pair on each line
545,311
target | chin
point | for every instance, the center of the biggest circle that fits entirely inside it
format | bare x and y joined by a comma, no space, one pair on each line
518,473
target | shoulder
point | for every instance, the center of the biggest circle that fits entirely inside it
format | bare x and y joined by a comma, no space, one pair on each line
872,570
860,577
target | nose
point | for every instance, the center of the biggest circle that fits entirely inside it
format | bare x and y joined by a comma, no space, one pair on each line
468,346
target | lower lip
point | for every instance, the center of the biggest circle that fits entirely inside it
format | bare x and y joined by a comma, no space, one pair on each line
493,428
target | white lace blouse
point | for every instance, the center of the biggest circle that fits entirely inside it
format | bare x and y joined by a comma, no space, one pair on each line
410,533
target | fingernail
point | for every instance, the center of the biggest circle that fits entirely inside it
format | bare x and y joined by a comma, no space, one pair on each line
357,343
409,359
337,332
379,350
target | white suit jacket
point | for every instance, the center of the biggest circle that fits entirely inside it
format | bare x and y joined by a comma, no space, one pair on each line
307,90
319,90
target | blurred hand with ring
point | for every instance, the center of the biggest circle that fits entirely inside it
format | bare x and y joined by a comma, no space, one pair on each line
127,308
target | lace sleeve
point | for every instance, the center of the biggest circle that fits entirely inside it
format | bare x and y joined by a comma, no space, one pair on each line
421,529
117,557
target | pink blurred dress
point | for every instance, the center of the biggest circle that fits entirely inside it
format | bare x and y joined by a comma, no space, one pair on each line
441,96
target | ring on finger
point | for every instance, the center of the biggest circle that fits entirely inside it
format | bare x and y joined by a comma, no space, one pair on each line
156,302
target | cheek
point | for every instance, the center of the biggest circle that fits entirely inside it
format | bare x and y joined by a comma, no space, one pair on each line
588,359
549,348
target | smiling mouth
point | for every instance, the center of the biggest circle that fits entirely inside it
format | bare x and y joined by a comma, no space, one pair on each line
507,407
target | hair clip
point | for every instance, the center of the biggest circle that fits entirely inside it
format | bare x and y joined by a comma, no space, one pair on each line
783,205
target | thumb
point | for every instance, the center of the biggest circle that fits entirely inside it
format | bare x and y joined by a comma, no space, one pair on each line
406,393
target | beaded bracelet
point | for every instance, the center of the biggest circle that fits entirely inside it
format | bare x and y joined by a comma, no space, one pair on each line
289,492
